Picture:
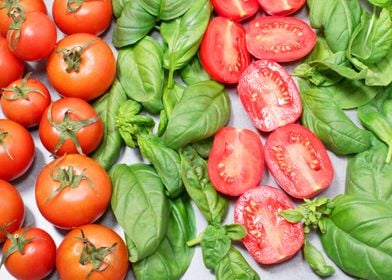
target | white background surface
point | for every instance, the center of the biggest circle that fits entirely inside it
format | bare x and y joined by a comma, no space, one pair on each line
292,269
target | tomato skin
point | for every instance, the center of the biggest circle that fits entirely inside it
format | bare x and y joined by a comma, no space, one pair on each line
68,254
85,19
223,52
281,7
236,10
269,95
20,146
281,39
37,39
39,256
89,136
11,68
236,160
270,238
298,161
10,199
26,111
97,69
73,206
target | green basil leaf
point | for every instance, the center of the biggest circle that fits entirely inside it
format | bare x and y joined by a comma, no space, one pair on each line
235,231
193,72
215,244
165,9
203,147
118,7
316,260
381,3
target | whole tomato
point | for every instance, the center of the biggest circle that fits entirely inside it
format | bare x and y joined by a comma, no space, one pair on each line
11,67
72,191
81,16
25,100
70,125
13,217
29,254
17,150
82,65
92,252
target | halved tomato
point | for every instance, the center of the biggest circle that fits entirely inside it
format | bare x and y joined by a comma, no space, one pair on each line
236,160
281,7
223,51
269,95
298,161
281,39
236,10
270,238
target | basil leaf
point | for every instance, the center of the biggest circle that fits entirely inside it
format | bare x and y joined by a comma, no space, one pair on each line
165,9
203,147
193,72
215,244
235,231
381,3
118,7
316,260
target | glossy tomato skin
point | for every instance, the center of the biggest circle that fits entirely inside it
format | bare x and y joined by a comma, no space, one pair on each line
75,204
298,161
25,110
96,72
69,252
281,39
223,52
10,199
37,37
269,95
11,67
83,19
38,259
281,7
236,10
17,150
236,160
270,238
89,136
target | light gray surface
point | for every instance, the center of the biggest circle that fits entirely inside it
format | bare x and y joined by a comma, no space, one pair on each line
292,269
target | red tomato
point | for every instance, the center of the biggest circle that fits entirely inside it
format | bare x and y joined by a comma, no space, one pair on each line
35,259
12,218
70,125
281,39
281,7
83,66
11,68
298,161
269,95
223,51
236,10
93,252
26,5
81,16
25,100
236,160
16,150
270,238
72,191
35,39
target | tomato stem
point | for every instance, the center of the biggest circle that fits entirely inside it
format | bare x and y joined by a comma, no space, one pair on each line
22,91
3,135
74,5
18,243
73,57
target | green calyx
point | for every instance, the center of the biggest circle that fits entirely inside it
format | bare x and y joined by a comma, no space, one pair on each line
18,243
3,135
21,91
73,56
74,5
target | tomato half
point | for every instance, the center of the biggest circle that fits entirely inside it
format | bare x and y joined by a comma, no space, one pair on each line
236,160
82,65
11,68
13,210
281,7
72,191
70,125
236,10
17,150
81,16
92,252
223,51
25,100
270,238
298,161
281,39
269,95
35,259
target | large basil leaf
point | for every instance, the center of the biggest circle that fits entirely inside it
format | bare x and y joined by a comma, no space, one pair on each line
358,237
203,109
118,6
173,256
140,72
165,9
215,244
379,74
141,208
133,24
381,3
193,72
